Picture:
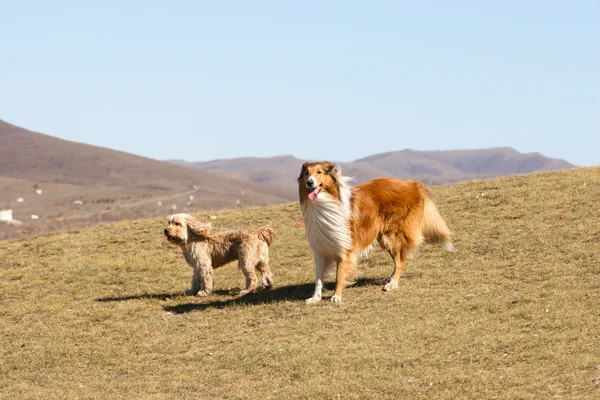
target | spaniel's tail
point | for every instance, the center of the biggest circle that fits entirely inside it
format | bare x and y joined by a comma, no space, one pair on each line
267,234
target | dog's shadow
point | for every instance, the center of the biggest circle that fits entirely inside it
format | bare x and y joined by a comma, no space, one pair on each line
154,296
284,293
143,296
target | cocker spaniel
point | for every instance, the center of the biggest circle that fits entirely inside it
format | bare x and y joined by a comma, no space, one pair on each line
205,251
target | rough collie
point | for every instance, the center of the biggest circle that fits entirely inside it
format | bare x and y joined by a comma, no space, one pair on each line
343,222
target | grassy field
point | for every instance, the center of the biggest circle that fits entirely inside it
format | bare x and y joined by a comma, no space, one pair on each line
515,314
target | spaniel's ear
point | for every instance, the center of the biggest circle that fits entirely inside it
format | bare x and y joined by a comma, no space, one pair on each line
197,228
303,170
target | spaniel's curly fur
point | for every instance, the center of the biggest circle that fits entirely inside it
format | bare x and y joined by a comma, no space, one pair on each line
205,251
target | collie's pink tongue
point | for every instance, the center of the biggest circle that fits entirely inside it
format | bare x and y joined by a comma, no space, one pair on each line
313,195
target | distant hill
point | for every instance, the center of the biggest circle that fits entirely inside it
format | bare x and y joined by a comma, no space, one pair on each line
33,156
278,171
103,180
430,167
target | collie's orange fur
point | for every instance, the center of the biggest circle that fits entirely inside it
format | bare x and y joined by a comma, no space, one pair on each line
342,222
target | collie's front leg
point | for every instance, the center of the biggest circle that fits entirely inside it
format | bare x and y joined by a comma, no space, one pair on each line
343,267
321,264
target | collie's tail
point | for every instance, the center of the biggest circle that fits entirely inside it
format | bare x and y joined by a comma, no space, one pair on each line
267,234
434,227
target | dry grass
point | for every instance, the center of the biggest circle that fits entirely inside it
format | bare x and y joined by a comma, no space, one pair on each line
100,314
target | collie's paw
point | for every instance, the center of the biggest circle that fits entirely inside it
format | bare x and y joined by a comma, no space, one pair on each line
449,248
313,300
336,299
202,293
390,285
247,291
189,292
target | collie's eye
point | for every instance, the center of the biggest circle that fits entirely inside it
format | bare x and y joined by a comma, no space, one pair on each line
318,172
305,172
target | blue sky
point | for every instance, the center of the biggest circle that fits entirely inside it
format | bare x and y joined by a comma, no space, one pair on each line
336,80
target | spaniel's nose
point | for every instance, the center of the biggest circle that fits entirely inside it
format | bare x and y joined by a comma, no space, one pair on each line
166,231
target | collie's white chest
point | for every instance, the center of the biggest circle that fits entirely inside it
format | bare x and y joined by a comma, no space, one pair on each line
327,225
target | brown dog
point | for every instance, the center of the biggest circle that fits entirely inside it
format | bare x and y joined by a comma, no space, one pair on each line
343,221
205,251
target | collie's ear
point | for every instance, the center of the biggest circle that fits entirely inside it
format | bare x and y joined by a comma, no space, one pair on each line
303,170
331,169
197,228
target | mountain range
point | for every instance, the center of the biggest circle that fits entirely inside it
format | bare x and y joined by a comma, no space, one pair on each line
429,167
51,184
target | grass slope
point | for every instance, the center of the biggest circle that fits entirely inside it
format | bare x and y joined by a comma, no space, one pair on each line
100,313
